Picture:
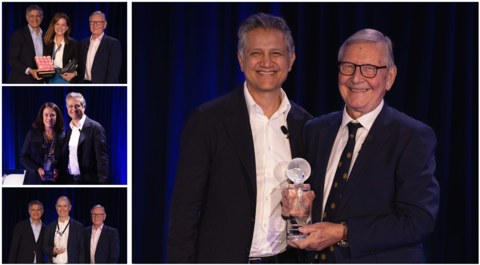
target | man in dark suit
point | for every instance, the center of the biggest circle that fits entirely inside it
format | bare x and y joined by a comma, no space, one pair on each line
25,44
100,55
234,150
85,146
375,165
28,237
102,243
63,242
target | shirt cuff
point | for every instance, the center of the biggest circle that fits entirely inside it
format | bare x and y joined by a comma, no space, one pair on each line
26,72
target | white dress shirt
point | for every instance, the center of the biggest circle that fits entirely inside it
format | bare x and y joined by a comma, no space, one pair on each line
73,166
92,50
272,154
93,242
36,232
37,43
62,258
58,62
341,141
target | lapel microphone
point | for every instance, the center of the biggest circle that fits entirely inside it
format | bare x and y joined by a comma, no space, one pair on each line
285,131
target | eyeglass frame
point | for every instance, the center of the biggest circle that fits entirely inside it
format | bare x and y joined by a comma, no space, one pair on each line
360,65
96,22
94,215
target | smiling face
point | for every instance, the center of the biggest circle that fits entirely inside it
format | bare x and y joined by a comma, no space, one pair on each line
49,118
362,95
34,18
35,212
75,109
61,27
265,60
98,216
63,207
98,26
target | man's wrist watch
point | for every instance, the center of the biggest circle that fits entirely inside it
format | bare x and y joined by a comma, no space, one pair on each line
344,242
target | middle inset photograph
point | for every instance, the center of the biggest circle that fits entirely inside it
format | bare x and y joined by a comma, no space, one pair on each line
64,135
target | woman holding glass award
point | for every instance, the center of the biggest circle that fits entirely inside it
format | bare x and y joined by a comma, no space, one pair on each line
63,50
42,149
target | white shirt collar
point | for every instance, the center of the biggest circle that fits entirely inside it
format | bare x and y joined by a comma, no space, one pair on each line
366,120
66,221
99,38
98,229
33,31
80,123
32,223
284,105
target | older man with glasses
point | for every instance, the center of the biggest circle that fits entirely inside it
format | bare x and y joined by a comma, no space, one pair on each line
102,243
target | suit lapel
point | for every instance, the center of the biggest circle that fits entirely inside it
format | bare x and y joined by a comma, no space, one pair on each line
28,39
237,125
295,121
71,234
85,130
100,49
380,134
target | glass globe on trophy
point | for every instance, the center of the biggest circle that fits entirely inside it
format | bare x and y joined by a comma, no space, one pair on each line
299,198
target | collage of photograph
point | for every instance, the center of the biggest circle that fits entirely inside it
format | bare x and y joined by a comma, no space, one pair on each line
239,132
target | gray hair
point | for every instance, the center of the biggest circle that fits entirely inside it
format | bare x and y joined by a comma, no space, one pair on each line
370,35
266,22
33,203
34,7
97,13
66,198
76,95
98,206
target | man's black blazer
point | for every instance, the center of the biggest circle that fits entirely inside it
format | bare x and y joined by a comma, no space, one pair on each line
391,198
21,56
92,152
216,177
24,248
32,156
71,51
107,62
108,245
75,245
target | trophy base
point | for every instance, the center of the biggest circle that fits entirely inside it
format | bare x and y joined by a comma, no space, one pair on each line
46,74
294,234
49,177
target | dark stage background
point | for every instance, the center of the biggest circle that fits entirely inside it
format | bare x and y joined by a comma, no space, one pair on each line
14,18
187,56
15,209
106,105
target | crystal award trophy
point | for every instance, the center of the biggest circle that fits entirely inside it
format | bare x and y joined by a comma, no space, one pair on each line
59,240
299,198
49,166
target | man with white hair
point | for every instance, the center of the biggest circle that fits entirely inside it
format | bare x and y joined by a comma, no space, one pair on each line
372,167
102,243
100,55
85,152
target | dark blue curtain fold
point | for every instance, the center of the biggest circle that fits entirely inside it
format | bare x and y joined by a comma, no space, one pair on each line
187,56
106,105
15,209
14,18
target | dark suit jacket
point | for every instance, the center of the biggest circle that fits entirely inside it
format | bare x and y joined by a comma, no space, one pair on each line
391,198
107,62
32,156
75,245
24,248
92,152
108,245
216,176
71,51
21,56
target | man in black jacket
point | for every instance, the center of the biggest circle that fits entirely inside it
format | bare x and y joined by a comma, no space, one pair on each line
28,237
102,243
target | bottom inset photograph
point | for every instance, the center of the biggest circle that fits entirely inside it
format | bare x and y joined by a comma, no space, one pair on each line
64,225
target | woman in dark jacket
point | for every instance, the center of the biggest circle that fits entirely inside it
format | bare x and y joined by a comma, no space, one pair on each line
61,48
46,137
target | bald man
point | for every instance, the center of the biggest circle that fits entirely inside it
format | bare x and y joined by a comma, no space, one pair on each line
63,242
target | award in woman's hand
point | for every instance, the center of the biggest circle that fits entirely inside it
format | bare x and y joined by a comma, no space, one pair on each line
299,198
49,166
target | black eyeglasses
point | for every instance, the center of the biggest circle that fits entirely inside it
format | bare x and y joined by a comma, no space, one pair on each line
367,70
95,215
99,23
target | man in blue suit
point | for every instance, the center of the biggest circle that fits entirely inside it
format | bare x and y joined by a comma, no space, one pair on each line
102,243
100,55
372,167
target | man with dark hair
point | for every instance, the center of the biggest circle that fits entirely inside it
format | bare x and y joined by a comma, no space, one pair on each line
226,201
100,55
102,243
28,237
376,196
25,44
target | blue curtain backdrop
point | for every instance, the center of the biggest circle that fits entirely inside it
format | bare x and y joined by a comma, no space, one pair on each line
14,18
15,209
106,105
186,56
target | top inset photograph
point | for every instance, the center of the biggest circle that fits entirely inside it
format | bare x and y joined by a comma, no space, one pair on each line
64,43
